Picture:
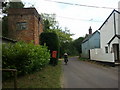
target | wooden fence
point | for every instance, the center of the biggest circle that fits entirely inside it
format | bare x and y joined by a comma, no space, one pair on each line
15,75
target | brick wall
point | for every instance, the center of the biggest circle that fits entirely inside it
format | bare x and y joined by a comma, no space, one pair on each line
32,21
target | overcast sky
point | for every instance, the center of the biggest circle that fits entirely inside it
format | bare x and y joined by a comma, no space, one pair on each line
76,18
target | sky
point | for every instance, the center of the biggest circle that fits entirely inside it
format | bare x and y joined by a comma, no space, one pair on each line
76,18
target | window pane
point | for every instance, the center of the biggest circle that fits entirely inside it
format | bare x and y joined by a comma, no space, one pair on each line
21,25
106,49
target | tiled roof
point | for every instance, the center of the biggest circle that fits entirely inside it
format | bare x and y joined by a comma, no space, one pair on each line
8,39
89,36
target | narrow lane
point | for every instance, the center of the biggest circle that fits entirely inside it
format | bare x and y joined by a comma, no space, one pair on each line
80,74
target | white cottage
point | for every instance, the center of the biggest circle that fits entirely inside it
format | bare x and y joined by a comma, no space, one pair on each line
109,40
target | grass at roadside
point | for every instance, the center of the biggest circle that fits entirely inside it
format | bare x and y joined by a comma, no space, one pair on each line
83,59
49,77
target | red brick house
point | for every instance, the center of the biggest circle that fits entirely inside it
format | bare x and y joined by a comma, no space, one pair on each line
24,24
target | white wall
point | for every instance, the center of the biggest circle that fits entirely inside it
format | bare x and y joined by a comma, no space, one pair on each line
119,18
115,41
98,55
119,27
107,32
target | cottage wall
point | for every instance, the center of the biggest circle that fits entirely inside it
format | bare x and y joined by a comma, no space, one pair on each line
98,55
94,41
119,18
85,49
119,27
108,52
91,43
108,31
33,25
38,29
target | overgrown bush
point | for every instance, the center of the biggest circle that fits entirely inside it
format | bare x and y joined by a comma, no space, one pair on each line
51,40
26,58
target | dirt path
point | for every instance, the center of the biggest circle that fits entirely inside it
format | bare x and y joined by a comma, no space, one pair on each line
81,74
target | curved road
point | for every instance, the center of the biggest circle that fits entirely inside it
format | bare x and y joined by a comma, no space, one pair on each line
81,74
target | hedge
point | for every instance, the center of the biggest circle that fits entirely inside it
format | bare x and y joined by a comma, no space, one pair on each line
26,58
51,40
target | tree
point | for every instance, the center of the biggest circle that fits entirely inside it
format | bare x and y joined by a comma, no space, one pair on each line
6,6
11,4
49,21
51,40
64,35
65,41
51,25
77,43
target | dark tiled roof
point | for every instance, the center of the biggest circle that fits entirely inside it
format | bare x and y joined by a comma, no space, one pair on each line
8,39
89,36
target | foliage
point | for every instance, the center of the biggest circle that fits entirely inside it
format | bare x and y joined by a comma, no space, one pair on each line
64,36
51,25
49,21
69,48
50,40
49,77
77,44
24,57
12,4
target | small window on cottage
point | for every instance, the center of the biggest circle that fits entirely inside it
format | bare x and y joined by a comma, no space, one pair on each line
106,49
21,26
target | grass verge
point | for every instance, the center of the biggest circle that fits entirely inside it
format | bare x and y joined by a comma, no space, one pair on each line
49,77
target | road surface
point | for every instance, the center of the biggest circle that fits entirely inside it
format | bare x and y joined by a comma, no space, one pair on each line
81,74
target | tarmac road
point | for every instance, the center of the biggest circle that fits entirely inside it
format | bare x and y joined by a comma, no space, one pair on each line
81,74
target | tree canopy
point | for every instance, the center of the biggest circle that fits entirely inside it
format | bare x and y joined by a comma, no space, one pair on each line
64,35
11,4
51,25
77,43
49,21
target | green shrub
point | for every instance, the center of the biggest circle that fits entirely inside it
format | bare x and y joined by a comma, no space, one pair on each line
51,40
24,57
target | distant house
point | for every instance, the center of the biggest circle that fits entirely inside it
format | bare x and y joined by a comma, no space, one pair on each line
110,40
90,42
24,24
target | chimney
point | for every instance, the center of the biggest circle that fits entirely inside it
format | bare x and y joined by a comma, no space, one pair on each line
90,30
